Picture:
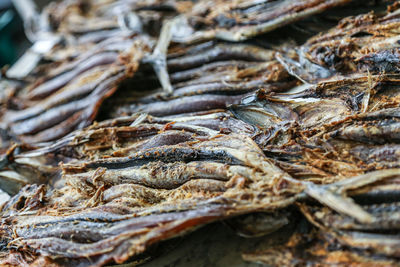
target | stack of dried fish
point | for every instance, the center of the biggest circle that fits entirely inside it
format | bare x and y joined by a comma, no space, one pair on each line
192,129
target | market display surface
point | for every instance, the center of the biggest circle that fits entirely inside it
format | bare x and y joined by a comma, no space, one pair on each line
153,118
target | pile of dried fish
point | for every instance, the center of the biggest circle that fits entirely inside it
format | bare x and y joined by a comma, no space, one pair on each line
130,133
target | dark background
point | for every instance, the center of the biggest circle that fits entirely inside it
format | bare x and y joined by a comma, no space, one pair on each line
12,38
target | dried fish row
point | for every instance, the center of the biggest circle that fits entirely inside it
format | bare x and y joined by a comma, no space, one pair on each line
70,96
241,20
83,22
105,193
367,42
355,134
341,240
364,118
162,179
205,76
87,61
165,190
66,94
110,138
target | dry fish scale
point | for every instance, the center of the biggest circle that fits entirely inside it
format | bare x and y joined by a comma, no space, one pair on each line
381,244
187,75
55,83
198,188
273,73
49,246
116,44
203,97
79,87
224,87
152,125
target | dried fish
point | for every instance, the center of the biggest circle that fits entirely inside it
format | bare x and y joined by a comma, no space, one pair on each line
199,119
113,139
358,43
241,20
71,96
173,187
341,240
205,78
